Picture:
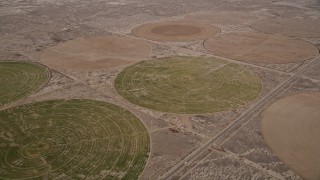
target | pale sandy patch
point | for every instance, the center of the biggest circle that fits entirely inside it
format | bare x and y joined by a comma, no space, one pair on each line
291,128
261,48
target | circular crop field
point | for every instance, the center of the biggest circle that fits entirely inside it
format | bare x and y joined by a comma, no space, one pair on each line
261,48
83,54
291,128
71,139
289,27
187,85
171,31
20,79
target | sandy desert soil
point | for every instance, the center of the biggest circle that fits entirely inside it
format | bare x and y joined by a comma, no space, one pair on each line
223,17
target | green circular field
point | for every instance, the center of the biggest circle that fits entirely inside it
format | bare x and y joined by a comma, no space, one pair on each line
71,139
20,79
187,85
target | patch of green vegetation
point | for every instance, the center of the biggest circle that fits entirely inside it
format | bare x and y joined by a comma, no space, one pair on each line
20,79
71,139
187,85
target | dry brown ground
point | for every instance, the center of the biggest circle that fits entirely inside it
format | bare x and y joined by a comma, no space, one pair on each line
95,53
222,17
290,127
289,27
170,31
261,48
37,25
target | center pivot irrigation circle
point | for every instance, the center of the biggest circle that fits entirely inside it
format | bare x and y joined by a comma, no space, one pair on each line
171,31
291,128
20,79
187,85
261,48
176,30
71,139
289,27
96,53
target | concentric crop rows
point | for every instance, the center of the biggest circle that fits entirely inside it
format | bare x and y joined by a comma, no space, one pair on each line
19,79
187,85
71,139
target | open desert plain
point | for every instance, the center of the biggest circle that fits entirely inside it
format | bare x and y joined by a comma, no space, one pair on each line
160,89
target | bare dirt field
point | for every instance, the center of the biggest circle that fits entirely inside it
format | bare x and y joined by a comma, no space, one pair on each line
290,128
261,48
95,53
175,31
87,46
297,27
223,17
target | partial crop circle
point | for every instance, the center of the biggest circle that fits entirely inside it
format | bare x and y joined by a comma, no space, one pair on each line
71,139
289,27
95,53
171,31
261,48
187,85
20,79
291,128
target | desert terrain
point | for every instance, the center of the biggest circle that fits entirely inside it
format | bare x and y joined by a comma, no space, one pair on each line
159,89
